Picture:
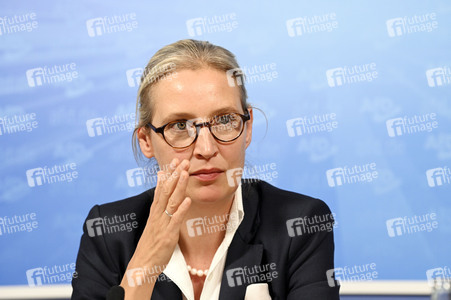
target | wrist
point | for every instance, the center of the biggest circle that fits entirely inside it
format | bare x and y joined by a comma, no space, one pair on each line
138,283
141,274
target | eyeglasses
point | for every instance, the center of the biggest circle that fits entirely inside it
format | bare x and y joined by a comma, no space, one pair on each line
183,133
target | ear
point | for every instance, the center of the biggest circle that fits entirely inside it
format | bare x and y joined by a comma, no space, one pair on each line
248,129
145,142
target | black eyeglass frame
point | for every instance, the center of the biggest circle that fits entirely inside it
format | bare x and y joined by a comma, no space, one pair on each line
245,117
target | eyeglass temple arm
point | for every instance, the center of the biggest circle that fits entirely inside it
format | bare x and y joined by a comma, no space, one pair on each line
157,130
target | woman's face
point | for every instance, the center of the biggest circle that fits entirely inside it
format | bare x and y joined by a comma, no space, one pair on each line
203,94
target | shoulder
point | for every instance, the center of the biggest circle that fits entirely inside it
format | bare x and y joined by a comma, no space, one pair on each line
292,227
116,227
122,219
137,204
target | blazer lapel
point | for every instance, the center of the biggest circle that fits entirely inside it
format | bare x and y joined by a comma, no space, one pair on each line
165,289
241,253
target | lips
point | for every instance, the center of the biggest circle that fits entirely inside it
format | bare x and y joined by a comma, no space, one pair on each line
207,174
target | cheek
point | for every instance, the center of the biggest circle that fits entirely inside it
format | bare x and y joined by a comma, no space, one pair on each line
166,157
164,153
233,154
161,155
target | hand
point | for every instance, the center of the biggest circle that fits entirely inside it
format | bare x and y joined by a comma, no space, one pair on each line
162,232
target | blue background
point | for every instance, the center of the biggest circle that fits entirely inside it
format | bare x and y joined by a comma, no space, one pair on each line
300,89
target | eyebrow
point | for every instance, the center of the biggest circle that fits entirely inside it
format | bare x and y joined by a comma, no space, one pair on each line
187,116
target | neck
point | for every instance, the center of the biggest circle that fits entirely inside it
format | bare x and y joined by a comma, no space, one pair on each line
197,244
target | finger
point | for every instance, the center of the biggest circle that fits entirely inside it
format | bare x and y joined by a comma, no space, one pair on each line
178,217
168,185
171,183
171,167
156,204
161,178
179,192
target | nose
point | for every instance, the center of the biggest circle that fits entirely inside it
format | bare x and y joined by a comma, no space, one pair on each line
205,146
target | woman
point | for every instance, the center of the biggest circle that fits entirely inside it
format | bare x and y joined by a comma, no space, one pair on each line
201,233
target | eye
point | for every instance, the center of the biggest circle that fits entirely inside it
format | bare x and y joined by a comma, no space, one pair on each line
225,119
180,125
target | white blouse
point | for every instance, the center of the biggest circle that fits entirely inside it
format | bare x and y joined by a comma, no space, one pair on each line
177,270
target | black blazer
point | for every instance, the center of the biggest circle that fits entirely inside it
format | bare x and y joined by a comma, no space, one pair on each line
301,261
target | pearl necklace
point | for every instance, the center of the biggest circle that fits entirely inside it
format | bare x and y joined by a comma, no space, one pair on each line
197,272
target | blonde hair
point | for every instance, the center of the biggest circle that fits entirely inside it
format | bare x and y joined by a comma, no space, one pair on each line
182,55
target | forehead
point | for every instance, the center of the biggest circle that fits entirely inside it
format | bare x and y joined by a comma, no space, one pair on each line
194,93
